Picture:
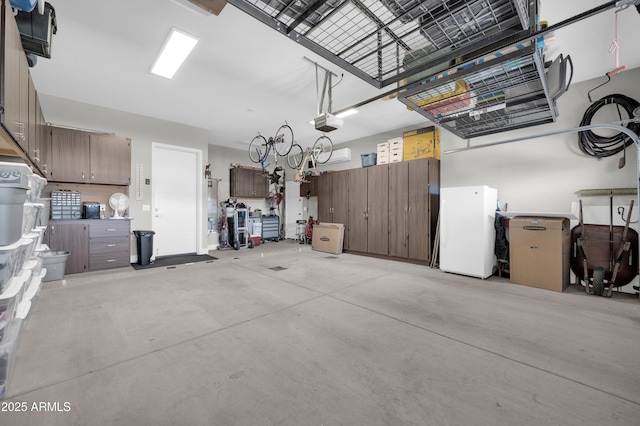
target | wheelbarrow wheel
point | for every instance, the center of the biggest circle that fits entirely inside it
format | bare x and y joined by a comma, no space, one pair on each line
598,281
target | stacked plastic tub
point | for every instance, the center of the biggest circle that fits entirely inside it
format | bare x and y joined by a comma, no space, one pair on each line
21,270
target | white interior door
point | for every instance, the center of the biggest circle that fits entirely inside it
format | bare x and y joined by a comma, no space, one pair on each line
175,200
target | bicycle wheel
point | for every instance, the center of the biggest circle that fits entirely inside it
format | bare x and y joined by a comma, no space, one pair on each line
258,149
294,159
322,149
283,140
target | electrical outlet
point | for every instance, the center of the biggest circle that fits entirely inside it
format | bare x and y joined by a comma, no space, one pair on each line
102,207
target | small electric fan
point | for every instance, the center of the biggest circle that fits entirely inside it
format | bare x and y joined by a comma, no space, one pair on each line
119,202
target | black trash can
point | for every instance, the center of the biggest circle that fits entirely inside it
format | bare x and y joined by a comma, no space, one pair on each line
145,246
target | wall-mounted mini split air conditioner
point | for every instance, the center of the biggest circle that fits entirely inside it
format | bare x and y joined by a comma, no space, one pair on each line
337,156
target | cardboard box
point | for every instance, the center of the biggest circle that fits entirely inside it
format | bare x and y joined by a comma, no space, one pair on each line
421,143
328,237
539,252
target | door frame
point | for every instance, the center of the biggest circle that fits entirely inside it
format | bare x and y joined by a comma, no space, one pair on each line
199,187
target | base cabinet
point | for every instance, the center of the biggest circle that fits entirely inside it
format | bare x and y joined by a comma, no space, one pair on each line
109,244
71,236
93,245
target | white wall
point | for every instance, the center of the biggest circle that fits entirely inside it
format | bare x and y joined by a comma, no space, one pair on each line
142,131
537,175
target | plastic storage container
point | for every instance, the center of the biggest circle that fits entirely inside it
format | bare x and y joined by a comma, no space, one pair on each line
9,300
9,256
368,159
55,262
8,349
14,184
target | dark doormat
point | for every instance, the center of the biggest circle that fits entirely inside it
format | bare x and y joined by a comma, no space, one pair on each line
178,259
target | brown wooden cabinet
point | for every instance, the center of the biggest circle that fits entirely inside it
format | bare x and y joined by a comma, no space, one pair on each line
70,156
392,208
377,210
310,187
333,198
15,72
71,236
110,159
93,245
414,188
247,183
357,218
86,157
43,142
109,244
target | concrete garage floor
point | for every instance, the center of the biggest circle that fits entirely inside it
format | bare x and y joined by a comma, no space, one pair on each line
329,340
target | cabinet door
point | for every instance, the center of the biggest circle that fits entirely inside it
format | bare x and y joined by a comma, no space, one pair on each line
357,221
32,134
419,215
241,182
74,238
378,209
11,76
325,208
340,201
398,209
260,185
43,141
310,187
70,161
110,159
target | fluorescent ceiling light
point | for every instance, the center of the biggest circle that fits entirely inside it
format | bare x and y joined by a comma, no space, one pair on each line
173,53
347,113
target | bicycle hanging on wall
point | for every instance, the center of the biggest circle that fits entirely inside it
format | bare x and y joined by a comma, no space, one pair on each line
319,153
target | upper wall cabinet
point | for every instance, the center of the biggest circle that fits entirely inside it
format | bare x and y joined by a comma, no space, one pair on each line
247,182
110,159
15,81
85,157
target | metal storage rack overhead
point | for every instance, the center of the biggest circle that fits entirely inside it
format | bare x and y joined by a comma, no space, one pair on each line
504,92
386,41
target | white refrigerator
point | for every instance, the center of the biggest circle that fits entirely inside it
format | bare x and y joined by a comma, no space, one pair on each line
467,233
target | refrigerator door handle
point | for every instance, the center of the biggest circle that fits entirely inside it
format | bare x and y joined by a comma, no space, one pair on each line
443,222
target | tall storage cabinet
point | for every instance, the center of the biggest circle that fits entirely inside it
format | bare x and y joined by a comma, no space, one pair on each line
356,226
392,208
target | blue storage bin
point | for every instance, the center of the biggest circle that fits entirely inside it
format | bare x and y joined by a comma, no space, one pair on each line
369,159
26,5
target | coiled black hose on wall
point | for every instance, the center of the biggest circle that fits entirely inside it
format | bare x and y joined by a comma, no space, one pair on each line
600,146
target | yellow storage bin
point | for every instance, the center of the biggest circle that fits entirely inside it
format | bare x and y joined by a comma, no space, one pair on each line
421,143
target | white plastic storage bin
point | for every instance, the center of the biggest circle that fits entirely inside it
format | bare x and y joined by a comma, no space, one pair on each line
8,349
14,184
9,257
9,301
55,262
31,216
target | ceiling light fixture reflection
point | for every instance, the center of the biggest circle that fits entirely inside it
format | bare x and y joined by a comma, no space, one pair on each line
347,113
173,53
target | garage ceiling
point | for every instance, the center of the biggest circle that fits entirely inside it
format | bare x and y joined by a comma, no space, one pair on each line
244,77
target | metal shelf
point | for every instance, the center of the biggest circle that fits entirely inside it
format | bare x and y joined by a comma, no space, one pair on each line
386,41
495,94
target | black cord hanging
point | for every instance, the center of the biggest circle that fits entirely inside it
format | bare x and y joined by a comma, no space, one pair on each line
600,146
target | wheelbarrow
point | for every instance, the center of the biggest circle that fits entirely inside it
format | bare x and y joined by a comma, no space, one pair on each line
604,256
